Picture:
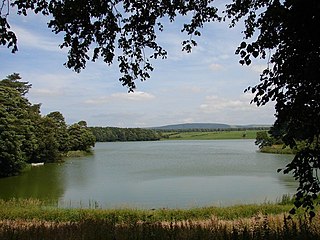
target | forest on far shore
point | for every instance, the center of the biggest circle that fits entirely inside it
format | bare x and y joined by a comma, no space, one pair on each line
115,134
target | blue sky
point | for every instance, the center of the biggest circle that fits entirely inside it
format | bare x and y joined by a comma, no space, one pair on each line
204,86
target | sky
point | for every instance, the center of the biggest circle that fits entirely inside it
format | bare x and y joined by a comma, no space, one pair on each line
205,86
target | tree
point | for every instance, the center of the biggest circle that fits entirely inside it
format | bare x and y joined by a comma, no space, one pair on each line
61,133
26,136
80,137
47,142
288,36
13,81
13,115
284,33
25,129
11,155
263,139
32,135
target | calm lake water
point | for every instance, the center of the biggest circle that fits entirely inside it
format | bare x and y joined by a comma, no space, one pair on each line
158,174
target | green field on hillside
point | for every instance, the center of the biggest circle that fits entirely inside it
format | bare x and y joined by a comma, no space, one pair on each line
214,135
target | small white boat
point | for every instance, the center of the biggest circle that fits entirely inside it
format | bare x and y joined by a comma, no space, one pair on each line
37,164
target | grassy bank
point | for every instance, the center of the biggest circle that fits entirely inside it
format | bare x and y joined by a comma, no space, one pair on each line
277,149
215,135
32,219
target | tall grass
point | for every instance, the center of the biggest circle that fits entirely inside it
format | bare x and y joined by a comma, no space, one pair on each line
48,211
257,227
33,219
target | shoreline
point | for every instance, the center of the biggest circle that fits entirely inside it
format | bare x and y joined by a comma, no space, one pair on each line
47,210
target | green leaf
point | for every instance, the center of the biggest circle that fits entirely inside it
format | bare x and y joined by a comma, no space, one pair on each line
255,54
312,215
243,45
292,211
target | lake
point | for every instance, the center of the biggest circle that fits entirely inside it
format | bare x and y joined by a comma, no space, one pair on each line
161,174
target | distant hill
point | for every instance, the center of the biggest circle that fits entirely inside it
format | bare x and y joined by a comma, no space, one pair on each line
189,126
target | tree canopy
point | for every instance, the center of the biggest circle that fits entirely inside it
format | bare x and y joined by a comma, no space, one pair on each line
284,33
105,26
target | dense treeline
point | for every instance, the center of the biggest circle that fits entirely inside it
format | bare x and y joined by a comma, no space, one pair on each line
114,134
27,137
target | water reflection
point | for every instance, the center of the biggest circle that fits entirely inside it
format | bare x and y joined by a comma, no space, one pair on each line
43,182
159,174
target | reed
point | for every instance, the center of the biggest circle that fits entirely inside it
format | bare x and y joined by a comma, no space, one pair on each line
33,219
257,227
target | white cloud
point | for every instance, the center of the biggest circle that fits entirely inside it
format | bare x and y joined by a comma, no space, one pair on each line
46,92
133,96
258,68
32,39
215,67
236,110
214,104
50,84
99,100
